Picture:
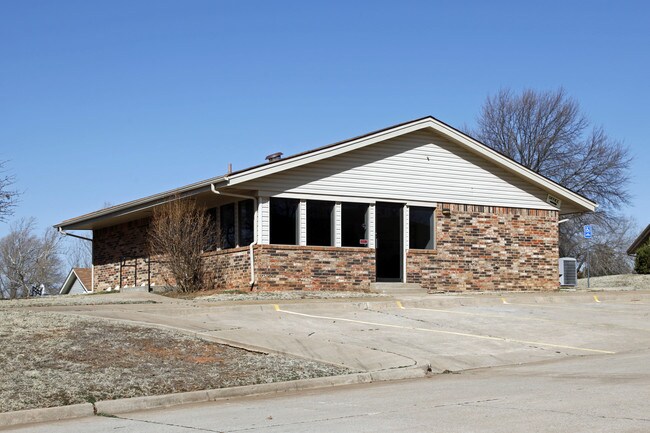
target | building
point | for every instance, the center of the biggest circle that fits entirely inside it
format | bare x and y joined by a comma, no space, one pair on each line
78,282
641,240
418,202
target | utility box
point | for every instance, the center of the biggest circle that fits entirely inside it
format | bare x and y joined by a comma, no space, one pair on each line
568,271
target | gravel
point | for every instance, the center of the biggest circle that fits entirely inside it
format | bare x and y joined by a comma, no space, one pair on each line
53,359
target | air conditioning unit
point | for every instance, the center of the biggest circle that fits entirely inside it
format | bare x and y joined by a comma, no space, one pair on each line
568,271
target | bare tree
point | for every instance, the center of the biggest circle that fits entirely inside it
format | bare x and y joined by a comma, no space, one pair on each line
8,196
179,232
27,260
547,132
606,251
79,253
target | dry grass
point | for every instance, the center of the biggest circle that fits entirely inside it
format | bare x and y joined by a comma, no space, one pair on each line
71,300
52,359
624,281
282,295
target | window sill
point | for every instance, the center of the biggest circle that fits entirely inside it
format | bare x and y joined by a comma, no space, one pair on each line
422,252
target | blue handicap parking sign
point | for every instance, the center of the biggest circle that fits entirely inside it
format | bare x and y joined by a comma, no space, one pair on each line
588,231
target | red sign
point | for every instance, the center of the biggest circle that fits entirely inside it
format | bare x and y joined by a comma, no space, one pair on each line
363,241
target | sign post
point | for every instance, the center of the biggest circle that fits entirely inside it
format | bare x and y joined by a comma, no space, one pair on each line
588,234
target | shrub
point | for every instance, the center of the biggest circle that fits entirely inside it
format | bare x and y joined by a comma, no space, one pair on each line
642,261
179,232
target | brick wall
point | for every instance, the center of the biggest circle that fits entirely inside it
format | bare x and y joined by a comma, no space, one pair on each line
289,267
489,248
228,269
478,248
126,244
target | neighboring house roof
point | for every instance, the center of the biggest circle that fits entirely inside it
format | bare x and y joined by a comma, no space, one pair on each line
642,239
83,275
131,210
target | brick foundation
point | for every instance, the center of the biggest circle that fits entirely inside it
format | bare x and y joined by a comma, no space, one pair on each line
482,248
228,269
478,248
289,267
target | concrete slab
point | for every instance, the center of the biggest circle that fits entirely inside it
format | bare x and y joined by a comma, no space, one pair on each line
447,332
592,394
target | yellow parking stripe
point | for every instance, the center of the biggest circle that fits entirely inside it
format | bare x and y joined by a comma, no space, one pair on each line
465,313
586,307
438,331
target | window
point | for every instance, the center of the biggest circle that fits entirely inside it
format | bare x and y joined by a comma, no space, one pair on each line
319,223
421,228
211,241
246,222
227,225
354,217
283,221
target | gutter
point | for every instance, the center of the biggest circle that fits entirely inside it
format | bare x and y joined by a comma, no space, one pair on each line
255,231
92,267
63,232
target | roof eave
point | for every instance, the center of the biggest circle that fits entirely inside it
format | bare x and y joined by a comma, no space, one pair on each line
639,241
85,221
427,122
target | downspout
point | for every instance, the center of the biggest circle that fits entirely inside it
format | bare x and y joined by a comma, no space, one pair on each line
92,268
255,231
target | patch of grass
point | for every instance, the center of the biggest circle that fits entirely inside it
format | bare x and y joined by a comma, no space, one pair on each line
53,359
71,300
201,293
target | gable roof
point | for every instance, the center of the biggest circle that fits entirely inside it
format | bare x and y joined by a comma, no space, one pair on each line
83,275
642,239
238,177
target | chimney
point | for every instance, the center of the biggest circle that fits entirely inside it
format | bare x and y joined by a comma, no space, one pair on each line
274,157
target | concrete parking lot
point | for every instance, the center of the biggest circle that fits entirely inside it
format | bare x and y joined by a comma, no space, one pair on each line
557,362
450,332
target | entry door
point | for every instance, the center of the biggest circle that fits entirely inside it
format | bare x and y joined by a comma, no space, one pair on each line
388,242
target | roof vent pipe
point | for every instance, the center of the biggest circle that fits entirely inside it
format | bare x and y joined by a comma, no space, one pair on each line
274,157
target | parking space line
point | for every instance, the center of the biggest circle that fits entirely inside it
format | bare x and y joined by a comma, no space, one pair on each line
466,313
438,331
586,308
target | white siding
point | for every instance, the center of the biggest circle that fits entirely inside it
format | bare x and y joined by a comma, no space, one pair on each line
77,288
421,166
371,226
302,223
263,221
337,224
406,226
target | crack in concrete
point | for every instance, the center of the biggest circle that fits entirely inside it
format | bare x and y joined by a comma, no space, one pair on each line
168,424
305,422
562,412
248,428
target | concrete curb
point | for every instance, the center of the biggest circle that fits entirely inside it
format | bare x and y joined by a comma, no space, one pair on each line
125,405
47,414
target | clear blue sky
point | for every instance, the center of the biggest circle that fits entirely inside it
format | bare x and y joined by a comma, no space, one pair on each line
108,101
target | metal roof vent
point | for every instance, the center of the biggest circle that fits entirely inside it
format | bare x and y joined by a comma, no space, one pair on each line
274,157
